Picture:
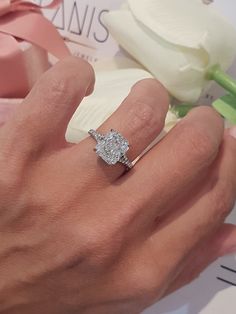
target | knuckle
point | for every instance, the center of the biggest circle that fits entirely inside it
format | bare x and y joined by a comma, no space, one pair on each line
201,144
129,209
153,87
61,82
100,247
144,116
143,111
146,275
54,87
9,180
59,86
145,282
77,66
87,67
211,113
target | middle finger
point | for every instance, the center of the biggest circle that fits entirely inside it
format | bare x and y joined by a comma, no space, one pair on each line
174,163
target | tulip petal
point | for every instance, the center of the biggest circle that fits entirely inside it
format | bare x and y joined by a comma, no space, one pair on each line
164,60
182,22
177,41
189,23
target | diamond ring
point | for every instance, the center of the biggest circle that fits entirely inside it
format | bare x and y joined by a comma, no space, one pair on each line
112,148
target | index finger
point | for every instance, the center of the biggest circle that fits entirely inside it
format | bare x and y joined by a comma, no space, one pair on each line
43,116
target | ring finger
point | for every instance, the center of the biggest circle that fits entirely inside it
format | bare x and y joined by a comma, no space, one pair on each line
140,119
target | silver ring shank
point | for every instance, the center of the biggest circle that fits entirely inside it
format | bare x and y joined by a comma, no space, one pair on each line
95,135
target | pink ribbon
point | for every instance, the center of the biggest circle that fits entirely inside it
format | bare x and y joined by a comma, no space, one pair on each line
7,6
23,20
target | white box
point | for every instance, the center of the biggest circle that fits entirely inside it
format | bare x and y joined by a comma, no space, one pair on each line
80,23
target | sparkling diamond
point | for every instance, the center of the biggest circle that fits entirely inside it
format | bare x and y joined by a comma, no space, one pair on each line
111,147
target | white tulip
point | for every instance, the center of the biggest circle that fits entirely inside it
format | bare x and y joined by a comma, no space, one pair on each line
110,90
176,40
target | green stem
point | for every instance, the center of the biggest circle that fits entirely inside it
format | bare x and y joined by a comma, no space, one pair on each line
182,110
225,105
216,74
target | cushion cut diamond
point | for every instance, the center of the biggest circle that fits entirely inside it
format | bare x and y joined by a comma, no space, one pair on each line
112,147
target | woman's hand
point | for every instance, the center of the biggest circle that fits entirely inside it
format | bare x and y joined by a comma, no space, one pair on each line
78,236
7,107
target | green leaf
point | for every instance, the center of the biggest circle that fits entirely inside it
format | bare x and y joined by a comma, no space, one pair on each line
182,110
226,106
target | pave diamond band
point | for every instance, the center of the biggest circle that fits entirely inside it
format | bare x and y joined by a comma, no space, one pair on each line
125,161
112,148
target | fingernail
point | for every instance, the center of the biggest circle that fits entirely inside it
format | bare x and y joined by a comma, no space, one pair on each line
232,131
